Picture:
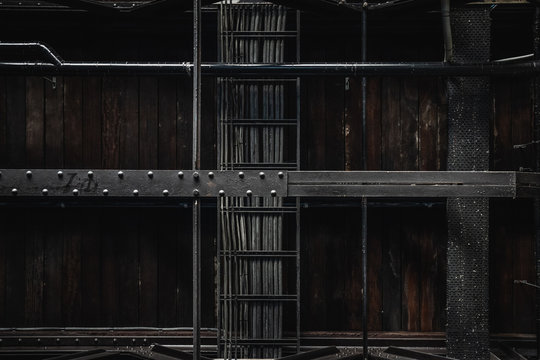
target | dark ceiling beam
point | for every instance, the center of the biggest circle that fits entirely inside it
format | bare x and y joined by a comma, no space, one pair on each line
88,5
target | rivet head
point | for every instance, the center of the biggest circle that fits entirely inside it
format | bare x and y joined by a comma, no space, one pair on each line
135,192
150,174
57,340
96,340
90,174
60,174
280,174
221,192
19,340
75,192
241,174
273,193
28,174
133,341
195,175
165,192
45,192
14,191
114,340
249,193
181,174
120,174
261,175
38,340
77,340
196,192
211,175
105,192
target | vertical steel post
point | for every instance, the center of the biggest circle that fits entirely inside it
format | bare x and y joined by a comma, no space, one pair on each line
298,234
364,199
537,165
196,165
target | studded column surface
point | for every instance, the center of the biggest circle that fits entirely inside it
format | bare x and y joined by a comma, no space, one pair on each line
468,219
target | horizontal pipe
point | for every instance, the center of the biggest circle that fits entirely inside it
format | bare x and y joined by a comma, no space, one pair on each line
285,70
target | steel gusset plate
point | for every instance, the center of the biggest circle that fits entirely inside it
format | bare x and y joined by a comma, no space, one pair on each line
141,183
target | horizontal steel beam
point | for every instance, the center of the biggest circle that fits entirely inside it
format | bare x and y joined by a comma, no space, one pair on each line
292,70
119,184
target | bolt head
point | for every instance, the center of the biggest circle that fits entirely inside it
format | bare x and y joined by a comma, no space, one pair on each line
211,175
150,174
181,174
196,192
135,192
75,192
14,191
195,175
60,174
261,175
120,174
249,193
45,192
221,192
105,192
90,174
241,174
273,193
165,192
28,174
281,175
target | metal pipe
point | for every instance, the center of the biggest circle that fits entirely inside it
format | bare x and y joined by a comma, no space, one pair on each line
196,163
365,351
286,70
447,31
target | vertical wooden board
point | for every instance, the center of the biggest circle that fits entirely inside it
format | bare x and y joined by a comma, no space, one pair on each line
112,93
73,122
442,128
35,122
91,118
167,124
335,248
316,111
208,124
208,251
409,123
34,269
428,114
375,269
392,286
110,297
127,265
353,123
349,255
502,125
428,255
522,227
129,123
71,268
501,272
391,123
167,269
3,122
148,267
15,268
373,124
522,128
318,266
52,273
184,266
54,124
90,287
148,123
411,270
184,123
16,122
335,142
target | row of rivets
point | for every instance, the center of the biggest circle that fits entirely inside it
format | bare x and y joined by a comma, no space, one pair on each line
165,192
76,340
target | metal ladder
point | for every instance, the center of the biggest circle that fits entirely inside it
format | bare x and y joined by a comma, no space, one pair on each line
258,237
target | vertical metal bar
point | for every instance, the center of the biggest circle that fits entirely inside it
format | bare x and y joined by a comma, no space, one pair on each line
537,200
364,199
196,165
298,233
